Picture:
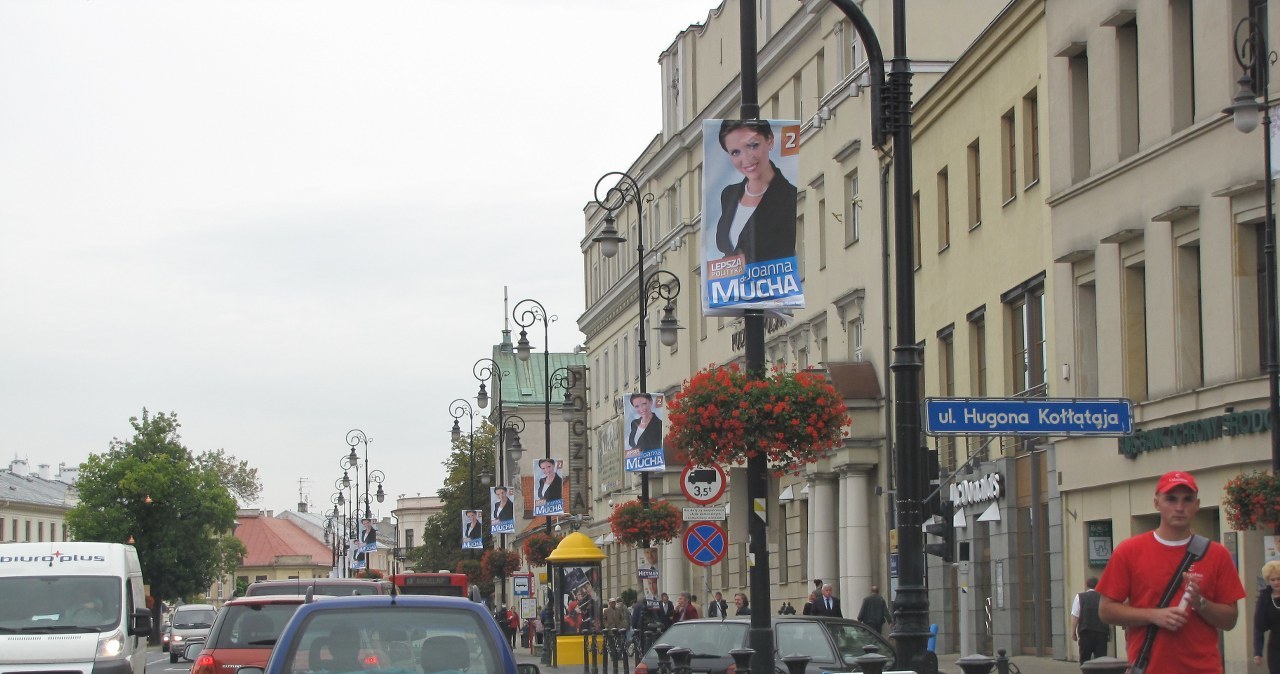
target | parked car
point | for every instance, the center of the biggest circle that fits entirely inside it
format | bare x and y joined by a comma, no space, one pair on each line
243,634
411,633
831,643
188,621
336,587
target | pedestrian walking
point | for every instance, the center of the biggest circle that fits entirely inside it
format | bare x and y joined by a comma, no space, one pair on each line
1266,618
828,604
809,604
1086,627
875,611
1183,636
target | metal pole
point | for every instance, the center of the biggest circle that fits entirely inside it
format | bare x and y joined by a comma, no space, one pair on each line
1262,59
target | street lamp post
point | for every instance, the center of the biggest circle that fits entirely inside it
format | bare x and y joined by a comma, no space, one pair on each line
457,409
347,502
483,370
662,285
525,314
1255,59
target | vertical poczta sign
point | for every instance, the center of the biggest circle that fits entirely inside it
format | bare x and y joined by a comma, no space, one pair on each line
645,413
750,171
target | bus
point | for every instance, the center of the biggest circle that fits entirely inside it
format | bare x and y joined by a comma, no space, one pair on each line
442,583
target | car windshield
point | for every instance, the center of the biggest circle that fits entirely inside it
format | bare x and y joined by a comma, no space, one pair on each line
803,638
252,625
194,618
59,603
851,641
393,639
706,639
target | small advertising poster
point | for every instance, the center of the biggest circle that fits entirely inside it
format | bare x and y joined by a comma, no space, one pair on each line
750,172
472,530
580,606
644,414
548,491
502,511
1099,543
648,573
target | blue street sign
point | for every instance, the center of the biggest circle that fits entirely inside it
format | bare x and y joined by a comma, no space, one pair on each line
1028,416
705,543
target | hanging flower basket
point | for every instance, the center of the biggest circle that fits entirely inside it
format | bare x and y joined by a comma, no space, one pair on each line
1252,501
722,416
499,562
633,523
537,546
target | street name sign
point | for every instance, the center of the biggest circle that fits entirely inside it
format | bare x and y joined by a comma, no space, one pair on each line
1028,416
706,514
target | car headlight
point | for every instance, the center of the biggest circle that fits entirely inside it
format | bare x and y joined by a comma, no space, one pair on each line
111,645
176,638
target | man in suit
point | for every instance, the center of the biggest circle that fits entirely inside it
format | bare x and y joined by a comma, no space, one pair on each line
828,604
666,610
718,608
503,508
548,484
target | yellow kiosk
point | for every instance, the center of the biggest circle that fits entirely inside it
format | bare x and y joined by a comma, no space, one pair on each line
575,571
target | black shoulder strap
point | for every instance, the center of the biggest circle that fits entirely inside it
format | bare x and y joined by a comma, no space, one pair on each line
1196,550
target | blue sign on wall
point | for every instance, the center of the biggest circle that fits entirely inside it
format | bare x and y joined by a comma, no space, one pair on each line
1028,416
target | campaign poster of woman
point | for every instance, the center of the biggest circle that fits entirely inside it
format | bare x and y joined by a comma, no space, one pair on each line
644,414
548,489
750,172
472,530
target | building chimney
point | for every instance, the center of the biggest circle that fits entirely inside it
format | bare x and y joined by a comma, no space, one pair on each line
68,474
46,471
302,506
18,466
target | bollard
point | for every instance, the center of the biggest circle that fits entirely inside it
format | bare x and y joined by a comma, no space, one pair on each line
586,652
1002,661
597,649
796,664
742,659
1106,665
873,662
664,657
977,663
681,660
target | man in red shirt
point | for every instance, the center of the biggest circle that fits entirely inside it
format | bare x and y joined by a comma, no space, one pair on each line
1186,635
685,610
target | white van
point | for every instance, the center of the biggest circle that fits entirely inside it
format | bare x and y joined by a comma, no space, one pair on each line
72,608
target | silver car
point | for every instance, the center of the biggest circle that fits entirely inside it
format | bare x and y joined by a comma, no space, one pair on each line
189,621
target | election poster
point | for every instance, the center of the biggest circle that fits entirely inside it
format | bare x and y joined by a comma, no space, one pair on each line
750,172
647,572
644,414
472,530
548,493
502,511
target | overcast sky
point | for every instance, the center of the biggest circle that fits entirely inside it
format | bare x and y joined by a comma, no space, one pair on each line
285,220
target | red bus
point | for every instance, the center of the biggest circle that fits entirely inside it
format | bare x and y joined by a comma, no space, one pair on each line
443,583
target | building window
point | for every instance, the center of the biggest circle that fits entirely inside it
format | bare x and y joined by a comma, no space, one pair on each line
946,389
944,210
40,532
852,209
1182,57
797,96
1078,69
1028,355
1086,374
822,234
1008,157
855,340
1031,137
975,184
1128,112
800,252
626,361
1190,323
1133,334
408,538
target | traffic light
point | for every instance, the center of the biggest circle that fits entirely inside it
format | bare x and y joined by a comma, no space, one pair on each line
943,527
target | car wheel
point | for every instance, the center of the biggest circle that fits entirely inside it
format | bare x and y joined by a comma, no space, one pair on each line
164,647
173,657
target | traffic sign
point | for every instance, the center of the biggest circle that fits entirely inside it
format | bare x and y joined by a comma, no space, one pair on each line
705,514
705,543
703,485
1028,416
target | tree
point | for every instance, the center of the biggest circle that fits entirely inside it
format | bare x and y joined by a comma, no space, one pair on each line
441,546
177,507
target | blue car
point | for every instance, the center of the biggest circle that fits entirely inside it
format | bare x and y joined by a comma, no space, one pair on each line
391,634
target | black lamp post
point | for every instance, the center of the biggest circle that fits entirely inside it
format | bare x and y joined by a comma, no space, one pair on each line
525,314
662,285
347,502
457,409
1255,60
483,370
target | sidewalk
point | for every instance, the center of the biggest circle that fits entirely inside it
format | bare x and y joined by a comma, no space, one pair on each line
946,664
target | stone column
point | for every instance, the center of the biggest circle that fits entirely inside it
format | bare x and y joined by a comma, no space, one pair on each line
855,534
824,539
675,571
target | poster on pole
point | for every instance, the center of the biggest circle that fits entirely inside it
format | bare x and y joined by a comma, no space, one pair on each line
648,572
502,511
750,171
472,530
548,491
644,414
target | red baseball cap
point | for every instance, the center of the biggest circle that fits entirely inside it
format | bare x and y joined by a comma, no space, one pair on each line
1176,478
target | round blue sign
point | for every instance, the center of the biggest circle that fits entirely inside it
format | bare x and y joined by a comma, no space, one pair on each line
705,543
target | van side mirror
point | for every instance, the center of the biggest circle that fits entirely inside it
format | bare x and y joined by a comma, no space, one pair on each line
140,622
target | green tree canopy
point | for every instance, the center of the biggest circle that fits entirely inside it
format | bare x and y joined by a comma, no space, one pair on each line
441,546
178,507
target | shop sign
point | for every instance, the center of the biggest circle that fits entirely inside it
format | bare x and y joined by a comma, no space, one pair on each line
986,488
1099,542
1246,422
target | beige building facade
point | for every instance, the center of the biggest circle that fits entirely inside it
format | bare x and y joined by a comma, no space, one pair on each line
1157,209
831,522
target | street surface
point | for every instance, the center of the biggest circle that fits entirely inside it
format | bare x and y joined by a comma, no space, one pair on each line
158,662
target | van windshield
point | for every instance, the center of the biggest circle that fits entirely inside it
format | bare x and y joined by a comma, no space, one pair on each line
59,603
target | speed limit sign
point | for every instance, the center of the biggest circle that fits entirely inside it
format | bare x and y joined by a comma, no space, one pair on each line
703,485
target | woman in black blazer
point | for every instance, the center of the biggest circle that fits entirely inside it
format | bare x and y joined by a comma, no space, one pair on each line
646,428
757,215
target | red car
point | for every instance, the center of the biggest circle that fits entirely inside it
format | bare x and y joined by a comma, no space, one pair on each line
244,633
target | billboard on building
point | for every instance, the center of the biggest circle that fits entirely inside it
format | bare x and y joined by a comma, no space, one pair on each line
750,172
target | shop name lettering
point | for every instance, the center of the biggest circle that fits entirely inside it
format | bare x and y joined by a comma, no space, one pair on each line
1044,417
1191,432
986,488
